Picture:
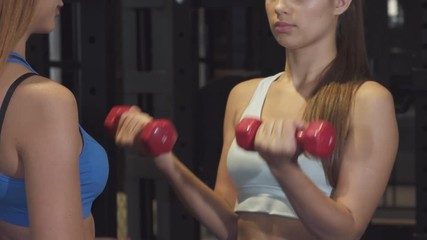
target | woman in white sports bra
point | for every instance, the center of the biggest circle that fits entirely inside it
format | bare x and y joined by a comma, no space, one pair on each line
276,192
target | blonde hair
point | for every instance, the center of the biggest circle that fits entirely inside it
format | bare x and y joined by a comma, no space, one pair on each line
15,17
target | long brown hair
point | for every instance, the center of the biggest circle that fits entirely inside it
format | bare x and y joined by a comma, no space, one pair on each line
15,16
333,97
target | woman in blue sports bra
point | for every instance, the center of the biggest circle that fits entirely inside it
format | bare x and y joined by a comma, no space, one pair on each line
277,192
51,169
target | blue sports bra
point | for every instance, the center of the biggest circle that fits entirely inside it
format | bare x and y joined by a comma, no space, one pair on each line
257,189
93,167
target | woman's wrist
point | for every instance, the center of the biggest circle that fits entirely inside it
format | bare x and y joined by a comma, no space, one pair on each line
164,162
287,167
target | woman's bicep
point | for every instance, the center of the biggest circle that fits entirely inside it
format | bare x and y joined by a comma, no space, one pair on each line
49,147
369,155
224,186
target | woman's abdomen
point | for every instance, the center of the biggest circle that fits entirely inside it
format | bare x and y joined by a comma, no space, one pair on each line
260,226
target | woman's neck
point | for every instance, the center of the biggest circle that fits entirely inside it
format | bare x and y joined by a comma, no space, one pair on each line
20,47
304,66
309,60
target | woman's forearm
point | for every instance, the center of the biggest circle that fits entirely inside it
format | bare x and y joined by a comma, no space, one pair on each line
198,198
320,214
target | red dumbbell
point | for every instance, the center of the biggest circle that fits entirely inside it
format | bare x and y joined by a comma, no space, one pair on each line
158,136
318,139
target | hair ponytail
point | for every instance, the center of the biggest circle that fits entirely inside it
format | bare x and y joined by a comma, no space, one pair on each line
333,98
15,17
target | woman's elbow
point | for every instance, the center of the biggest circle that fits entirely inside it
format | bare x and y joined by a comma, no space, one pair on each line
231,230
355,233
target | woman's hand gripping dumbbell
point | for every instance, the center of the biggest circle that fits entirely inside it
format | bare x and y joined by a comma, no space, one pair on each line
157,136
317,139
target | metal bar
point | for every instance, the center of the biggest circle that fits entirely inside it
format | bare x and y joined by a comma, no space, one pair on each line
146,82
225,3
421,169
421,134
133,4
155,61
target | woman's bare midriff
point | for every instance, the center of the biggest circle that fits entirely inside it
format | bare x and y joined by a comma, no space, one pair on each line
258,226
14,232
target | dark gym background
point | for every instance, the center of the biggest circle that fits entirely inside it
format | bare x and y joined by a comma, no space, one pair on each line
179,58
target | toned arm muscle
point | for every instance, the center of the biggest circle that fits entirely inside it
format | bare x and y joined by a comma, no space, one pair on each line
49,144
366,166
214,209
370,154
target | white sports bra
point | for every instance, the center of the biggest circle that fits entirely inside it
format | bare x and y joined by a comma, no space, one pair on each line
257,189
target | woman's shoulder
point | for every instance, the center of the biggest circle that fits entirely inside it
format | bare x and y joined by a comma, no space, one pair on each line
41,90
372,91
41,102
246,87
241,94
373,100
42,99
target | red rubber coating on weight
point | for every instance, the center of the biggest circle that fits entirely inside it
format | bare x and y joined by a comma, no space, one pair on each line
318,139
245,132
112,120
158,136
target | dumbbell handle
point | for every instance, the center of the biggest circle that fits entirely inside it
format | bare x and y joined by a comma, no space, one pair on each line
318,139
158,136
